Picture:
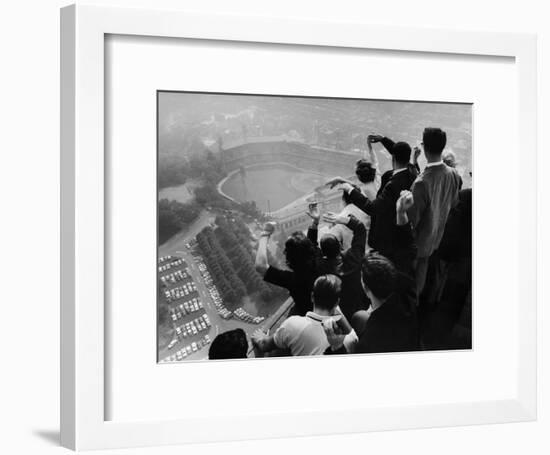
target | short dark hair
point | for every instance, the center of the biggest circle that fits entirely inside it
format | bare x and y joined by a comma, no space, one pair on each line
365,171
229,345
435,140
299,252
326,291
379,275
330,246
401,151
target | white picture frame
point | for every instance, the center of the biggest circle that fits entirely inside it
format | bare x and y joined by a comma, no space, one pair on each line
83,397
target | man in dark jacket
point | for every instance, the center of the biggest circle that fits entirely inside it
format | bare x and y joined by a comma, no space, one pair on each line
382,234
450,323
388,144
389,324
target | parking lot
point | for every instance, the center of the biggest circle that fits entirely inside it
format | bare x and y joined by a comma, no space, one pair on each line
200,287
189,320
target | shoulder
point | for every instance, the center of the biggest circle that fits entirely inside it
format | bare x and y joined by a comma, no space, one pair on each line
274,271
287,331
293,323
391,311
387,174
403,178
454,175
419,184
278,276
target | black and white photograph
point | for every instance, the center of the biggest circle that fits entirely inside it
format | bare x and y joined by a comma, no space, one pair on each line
249,227
305,226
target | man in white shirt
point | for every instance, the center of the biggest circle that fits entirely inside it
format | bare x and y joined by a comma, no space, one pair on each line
435,193
305,335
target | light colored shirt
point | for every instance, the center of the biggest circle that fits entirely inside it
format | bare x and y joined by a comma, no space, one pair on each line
369,189
343,233
302,335
435,192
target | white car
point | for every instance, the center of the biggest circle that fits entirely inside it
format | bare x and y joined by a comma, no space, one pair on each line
172,343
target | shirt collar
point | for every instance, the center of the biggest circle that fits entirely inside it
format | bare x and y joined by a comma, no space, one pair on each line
437,163
316,317
399,170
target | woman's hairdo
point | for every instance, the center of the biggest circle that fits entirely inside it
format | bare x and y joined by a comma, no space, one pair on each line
365,171
299,252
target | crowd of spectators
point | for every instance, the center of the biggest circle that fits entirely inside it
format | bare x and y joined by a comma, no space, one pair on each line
391,274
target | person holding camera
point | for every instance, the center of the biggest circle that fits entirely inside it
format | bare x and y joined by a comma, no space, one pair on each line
305,335
382,231
346,264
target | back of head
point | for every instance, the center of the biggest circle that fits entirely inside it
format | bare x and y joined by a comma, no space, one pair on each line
401,151
299,252
229,345
435,140
379,275
326,292
365,171
330,246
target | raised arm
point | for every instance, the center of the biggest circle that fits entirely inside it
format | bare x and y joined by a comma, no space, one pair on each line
359,240
315,214
262,342
262,258
385,141
337,181
420,202
403,236
416,154
384,199
373,157
404,203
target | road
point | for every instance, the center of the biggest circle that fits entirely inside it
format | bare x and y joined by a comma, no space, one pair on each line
176,246
178,241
